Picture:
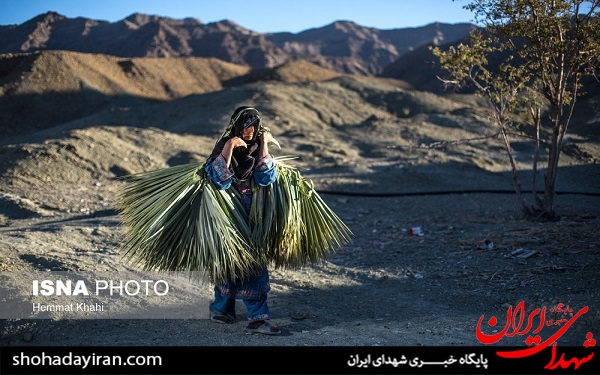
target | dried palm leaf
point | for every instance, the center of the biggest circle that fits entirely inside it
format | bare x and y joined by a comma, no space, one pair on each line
292,223
176,219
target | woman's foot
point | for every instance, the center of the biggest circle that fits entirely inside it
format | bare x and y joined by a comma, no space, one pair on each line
221,319
262,326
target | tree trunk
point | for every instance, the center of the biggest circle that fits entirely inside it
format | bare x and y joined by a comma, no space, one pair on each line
515,179
550,177
536,117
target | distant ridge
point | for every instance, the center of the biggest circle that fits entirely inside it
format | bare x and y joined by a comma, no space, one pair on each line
291,71
348,47
342,46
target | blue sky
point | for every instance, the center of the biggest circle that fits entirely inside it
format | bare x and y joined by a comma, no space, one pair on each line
258,15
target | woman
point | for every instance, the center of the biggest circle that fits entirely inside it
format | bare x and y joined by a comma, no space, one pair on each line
241,160
228,218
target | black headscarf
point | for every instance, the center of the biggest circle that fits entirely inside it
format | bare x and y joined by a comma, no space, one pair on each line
243,159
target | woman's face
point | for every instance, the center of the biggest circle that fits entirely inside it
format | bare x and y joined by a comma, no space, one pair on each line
248,133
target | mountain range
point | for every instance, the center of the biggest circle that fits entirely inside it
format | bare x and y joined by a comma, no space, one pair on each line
341,46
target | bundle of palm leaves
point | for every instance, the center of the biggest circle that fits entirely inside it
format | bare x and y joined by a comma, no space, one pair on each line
176,219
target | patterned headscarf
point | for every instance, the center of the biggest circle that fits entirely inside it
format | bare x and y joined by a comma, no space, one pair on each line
243,159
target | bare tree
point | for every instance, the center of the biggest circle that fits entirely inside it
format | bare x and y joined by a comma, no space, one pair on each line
529,57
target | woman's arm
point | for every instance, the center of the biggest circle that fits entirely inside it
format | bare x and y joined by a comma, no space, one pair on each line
229,146
219,168
219,172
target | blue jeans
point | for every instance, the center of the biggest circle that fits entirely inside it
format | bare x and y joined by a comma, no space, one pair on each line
252,291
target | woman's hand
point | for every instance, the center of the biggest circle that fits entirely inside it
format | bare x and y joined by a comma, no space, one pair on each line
229,146
265,137
235,142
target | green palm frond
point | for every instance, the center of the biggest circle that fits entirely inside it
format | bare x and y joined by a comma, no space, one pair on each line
176,219
292,223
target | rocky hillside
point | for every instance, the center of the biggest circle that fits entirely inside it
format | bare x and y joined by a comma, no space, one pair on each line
341,46
347,131
42,89
420,68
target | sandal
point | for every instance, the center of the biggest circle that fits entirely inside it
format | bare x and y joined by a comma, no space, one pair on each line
221,319
265,328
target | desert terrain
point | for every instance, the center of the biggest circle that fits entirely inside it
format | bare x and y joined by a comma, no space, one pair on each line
421,179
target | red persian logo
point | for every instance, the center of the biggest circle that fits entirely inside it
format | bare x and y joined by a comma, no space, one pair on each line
517,325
